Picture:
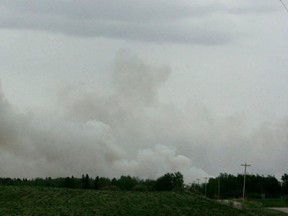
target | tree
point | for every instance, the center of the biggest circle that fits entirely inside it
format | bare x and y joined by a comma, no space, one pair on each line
126,183
104,182
284,179
68,182
169,181
178,180
85,182
272,186
257,186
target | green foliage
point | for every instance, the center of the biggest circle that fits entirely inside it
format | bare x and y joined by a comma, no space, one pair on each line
262,207
85,182
131,196
282,202
69,182
97,183
126,183
256,186
230,186
169,181
284,179
23,200
104,182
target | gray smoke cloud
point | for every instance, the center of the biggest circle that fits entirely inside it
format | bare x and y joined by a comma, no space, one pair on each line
108,135
125,129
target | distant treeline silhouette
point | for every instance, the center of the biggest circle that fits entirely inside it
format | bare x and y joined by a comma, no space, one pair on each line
223,186
167,182
257,186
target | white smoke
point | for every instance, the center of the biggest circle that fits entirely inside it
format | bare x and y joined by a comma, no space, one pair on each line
159,159
126,130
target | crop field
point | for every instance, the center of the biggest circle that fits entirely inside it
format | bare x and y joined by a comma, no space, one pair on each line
16,200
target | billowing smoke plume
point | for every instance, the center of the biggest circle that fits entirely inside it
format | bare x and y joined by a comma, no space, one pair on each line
125,129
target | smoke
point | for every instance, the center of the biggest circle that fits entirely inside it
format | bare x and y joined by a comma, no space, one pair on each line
125,129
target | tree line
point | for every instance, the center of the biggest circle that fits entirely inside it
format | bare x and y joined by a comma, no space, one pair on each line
224,186
167,182
257,186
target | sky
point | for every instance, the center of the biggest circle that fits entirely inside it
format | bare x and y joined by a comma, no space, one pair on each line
143,88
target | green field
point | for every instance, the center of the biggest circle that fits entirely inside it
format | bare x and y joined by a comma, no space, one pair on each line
261,206
15,200
25,200
274,202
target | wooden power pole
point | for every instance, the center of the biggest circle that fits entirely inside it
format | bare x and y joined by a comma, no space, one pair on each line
244,184
206,178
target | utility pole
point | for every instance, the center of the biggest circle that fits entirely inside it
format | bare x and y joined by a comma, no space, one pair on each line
244,184
206,178
219,180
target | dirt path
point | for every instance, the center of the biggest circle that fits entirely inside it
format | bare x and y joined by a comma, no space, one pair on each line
281,209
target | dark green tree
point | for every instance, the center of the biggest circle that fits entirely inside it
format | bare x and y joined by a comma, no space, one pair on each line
96,183
104,182
169,181
256,186
85,182
126,183
68,182
284,179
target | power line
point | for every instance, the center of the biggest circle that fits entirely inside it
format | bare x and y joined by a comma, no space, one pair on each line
284,5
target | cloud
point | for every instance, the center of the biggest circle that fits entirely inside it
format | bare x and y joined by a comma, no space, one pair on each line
200,22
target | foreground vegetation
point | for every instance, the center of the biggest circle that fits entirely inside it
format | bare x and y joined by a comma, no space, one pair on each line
127,195
25,200
225,186
263,206
33,200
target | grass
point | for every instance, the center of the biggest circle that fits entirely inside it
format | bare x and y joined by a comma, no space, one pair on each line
55,201
260,207
274,202
266,212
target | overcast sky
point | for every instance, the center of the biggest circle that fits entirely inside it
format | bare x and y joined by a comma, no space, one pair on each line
141,88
